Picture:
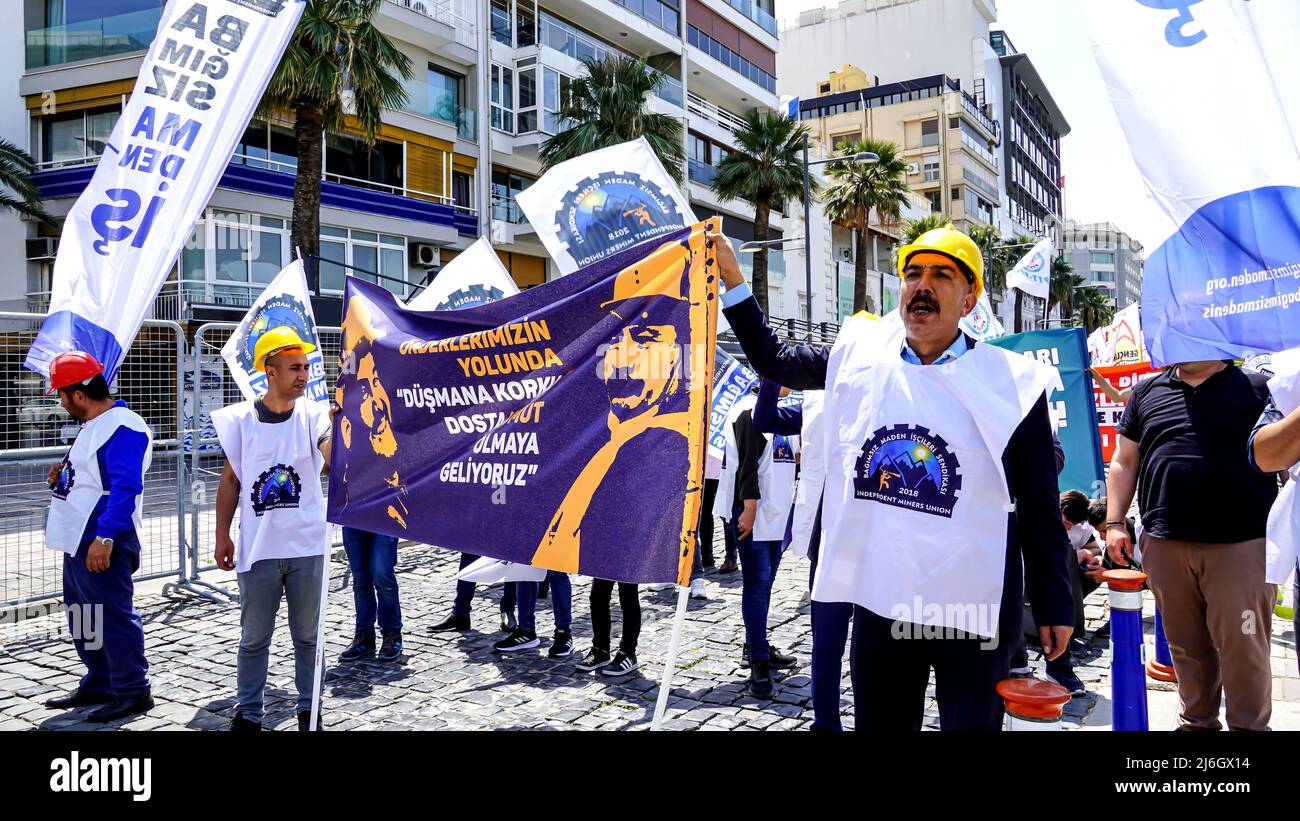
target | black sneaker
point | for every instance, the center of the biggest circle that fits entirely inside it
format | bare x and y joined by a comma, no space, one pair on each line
561,645
760,680
594,660
239,724
392,646
776,660
517,640
620,666
1068,680
449,624
304,721
362,647
508,622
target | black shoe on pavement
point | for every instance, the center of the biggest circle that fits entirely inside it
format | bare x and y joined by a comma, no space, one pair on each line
77,698
622,665
121,708
392,646
362,647
517,640
594,660
449,624
776,660
508,622
561,645
729,566
239,724
760,680
304,721
1068,680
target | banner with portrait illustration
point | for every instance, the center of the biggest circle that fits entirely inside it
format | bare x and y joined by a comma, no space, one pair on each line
283,304
606,201
569,421
196,90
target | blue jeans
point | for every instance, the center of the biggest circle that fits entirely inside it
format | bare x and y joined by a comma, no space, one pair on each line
465,592
758,565
561,602
106,629
260,590
372,557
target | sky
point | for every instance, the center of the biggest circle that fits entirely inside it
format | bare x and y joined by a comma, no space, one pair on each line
1102,183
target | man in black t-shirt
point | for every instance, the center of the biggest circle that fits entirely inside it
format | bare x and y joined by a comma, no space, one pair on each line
1204,509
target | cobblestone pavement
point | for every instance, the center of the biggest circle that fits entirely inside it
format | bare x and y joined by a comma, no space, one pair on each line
455,681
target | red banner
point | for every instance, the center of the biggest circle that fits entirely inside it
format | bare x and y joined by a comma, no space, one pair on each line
1108,412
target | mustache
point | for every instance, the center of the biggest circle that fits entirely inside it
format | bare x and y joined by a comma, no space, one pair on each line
923,299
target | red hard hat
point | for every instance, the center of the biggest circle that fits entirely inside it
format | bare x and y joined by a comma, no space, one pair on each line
72,368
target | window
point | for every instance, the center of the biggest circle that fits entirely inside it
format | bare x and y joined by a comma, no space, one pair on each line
930,167
842,141
1103,258
77,136
936,200
503,98
461,186
527,99
501,22
555,94
445,90
231,256
368,253
349,161
930,133
724,55
506,185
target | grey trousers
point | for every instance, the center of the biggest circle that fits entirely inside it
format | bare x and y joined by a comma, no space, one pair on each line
260,590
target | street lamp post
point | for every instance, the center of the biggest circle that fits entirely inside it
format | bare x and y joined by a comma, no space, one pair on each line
755,246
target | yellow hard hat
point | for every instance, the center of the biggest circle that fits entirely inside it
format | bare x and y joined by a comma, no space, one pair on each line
276,340
953,244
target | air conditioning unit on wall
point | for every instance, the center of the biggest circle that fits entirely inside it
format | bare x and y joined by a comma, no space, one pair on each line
914,168
40,248
424,254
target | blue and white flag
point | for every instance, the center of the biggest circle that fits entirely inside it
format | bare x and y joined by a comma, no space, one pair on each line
1033,273
475,277
731,381
1207,95
285,303
981,323
197,89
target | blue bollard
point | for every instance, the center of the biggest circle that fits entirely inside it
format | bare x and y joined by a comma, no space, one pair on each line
1128,684
1161,668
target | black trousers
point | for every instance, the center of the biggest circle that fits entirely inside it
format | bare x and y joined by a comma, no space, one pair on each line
890,676
630,602
705,546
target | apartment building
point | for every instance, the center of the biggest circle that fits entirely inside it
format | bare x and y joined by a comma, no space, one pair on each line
1106,258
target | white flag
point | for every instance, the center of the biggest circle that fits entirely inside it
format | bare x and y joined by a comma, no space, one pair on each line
284,304
606,201
1033,273
981,323
1206,95
474,277
197,89
1120,342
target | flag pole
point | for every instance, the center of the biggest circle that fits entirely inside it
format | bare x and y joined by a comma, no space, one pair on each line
319,673
670,660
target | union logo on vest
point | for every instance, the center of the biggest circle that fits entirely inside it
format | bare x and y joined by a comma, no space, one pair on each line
782,450
278,487
67,478
908,466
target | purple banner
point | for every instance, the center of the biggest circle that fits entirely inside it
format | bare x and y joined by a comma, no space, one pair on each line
563,427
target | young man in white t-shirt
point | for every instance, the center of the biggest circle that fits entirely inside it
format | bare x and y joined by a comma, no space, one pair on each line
276,448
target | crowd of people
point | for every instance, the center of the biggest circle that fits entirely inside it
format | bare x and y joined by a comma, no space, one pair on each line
917,474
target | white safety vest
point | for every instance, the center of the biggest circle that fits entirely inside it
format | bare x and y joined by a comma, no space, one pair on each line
916,498
80,487
775,487
278,464
812,475
1283,536
730,461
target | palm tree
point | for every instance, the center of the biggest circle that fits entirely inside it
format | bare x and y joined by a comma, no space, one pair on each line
1092,308
336,55
21,196
858,188
915,228
997,261
1064,282
765,168
608,106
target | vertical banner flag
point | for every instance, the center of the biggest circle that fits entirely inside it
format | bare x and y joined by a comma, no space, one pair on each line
981,323
604,202
1120,342
569,421
475,277
284,304
1070,401
1033,273
1109,413
1226,269
197,89
731,380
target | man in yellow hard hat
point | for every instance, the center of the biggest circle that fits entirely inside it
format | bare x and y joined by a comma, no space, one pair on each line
931,560
276,448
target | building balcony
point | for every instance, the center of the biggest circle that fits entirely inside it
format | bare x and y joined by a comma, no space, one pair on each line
752,11
431,24
701,172
427,100
713,115
92,39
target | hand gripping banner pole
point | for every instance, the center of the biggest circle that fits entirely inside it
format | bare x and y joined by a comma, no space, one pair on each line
670,661
1128,680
